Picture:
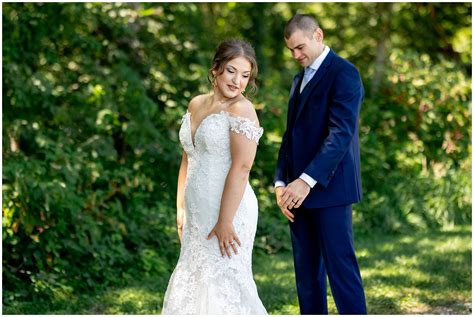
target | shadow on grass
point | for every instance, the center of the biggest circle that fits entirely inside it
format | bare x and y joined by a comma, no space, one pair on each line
137,297
424,272
274,275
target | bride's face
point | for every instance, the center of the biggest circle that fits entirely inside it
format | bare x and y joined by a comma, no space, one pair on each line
235,77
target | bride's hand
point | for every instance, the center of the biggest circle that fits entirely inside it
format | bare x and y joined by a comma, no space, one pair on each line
226,236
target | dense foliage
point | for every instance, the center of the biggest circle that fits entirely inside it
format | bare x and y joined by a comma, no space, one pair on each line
93,95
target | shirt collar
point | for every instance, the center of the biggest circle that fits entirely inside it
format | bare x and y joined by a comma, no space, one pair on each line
318,61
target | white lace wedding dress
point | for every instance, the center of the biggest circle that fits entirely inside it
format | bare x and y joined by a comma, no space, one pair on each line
203,281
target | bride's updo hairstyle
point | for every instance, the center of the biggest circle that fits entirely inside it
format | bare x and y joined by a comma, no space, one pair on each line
227,51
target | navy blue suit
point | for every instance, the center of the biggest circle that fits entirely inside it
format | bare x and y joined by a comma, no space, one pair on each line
322,140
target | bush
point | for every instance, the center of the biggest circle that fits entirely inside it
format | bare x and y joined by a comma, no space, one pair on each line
93,95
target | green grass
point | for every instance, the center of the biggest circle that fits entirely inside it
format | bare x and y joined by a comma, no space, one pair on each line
138,297
419,273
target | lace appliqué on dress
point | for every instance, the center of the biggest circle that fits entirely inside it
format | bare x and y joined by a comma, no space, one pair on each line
204,282
245,126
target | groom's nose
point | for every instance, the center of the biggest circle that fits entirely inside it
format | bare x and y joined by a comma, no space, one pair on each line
296,54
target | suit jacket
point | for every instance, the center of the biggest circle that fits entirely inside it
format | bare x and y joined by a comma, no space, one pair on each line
322,135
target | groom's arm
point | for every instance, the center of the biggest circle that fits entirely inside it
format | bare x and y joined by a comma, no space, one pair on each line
343,117
308,179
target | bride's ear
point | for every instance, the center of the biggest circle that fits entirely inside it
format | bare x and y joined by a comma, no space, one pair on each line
213,75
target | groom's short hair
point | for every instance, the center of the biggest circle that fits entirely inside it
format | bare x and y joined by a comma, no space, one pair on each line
304,22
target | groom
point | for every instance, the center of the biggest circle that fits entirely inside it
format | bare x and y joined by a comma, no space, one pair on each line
318,171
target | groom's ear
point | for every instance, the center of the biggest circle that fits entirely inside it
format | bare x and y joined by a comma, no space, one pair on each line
319,35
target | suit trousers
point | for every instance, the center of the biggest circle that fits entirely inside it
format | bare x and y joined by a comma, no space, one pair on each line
323,246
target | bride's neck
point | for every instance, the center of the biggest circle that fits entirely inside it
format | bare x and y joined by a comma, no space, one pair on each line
217,99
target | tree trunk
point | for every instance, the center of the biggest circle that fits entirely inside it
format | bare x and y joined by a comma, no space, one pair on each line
384,11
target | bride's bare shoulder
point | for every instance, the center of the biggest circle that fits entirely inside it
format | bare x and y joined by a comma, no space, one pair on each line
197,101
244,108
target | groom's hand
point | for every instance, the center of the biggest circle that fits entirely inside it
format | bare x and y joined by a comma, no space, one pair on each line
294,194
279,191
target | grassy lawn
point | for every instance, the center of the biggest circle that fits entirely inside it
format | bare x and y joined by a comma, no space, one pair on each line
421,273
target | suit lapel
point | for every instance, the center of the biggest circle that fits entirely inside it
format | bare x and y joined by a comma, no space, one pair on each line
293,95
314,82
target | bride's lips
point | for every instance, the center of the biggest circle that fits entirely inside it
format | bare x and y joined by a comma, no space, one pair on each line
232,87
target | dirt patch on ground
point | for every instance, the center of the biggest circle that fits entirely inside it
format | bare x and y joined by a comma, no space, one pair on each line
456,309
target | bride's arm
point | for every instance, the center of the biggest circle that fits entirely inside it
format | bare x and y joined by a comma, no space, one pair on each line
243,152
180,194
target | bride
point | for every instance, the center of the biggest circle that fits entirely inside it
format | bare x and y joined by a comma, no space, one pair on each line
217,209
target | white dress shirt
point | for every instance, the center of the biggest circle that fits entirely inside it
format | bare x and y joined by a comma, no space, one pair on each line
315,65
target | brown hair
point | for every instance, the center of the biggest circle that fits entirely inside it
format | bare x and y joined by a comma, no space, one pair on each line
304,22
230,49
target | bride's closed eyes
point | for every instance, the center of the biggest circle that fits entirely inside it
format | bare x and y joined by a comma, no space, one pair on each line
232,71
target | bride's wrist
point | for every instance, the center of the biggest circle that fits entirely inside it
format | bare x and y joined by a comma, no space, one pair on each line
227,222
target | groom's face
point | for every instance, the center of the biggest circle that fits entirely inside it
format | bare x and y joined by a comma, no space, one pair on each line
305,46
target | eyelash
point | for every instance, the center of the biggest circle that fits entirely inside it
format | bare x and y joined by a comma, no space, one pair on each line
231,71
298,48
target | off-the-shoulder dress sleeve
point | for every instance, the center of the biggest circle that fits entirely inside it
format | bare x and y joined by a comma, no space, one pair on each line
245,126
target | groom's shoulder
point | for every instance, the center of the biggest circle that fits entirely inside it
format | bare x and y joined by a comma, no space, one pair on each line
343,63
